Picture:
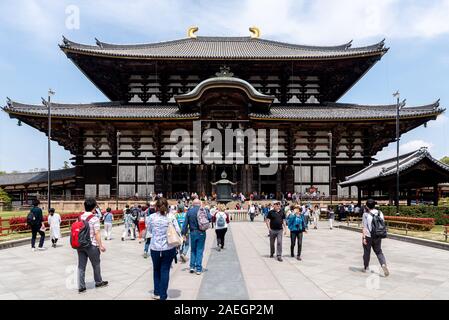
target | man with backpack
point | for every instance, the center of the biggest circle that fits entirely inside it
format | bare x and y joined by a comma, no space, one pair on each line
374,230
88,245
197,221
35,220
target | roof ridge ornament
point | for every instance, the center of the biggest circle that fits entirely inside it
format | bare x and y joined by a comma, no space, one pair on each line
255,32
191,32
65,41
98,42
225,71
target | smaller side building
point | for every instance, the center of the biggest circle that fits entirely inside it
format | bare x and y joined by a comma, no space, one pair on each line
422,178
24,187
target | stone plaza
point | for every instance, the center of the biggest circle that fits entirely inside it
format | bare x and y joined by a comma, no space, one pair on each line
331,269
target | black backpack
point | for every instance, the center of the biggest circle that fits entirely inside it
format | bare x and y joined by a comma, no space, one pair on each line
31,219
378,228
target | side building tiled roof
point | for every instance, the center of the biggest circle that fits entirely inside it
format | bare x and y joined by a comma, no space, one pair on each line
325,112
223,48
388,167
35,177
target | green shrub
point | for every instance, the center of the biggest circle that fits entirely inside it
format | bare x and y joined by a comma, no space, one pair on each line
5,197
440,214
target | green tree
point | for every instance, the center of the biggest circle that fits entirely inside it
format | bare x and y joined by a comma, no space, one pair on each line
2,172
66,165
5,197
445,160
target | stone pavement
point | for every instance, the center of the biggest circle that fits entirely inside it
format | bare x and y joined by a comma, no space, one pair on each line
331,269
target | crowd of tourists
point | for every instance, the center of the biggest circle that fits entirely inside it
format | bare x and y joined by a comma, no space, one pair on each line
169,232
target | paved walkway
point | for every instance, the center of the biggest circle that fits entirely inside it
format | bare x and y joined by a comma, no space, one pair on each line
331,269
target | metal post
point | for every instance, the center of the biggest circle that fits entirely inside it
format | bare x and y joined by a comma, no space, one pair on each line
300,177
50,93
397,95
146,178
330,166
117,177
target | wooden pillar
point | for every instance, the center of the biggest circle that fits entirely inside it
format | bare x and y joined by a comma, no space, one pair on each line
79,168
169,185
189,186
199,179
158,179
359,196
243,179
436,197
249,179
278,183
115,152
390,195
409,197
234,178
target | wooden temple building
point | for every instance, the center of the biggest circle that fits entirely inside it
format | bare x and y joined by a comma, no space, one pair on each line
220,83
422,179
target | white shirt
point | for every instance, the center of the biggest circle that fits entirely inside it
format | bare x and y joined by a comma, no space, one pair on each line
218,215
367,221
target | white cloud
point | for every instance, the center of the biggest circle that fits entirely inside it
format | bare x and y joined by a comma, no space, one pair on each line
314,22
413,145
441,121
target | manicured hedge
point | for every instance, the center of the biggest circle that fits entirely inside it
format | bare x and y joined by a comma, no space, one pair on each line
440,214
422,224
18,224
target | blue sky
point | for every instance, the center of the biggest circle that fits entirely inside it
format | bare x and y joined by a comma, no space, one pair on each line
417,64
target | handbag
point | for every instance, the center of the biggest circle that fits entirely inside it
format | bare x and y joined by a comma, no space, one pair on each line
173,237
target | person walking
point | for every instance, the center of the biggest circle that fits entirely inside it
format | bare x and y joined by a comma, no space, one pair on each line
252,212
92,252
316,216
297,225
35,220
128,224
141,224
275,222
331,216
221,220
162,254
150,210
54,221
108,218
373,226
181,218
197,222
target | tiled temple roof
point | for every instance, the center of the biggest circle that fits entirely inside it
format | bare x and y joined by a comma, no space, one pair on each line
223,48
35,177
325,112
105,110
387,167
345,111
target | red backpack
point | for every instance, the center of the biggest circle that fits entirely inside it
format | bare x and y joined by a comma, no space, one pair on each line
80,233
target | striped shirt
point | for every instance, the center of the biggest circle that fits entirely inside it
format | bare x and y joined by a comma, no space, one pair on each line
94,225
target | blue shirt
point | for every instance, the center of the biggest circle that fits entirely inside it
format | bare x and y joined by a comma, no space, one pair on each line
191,221
296,223
108,217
